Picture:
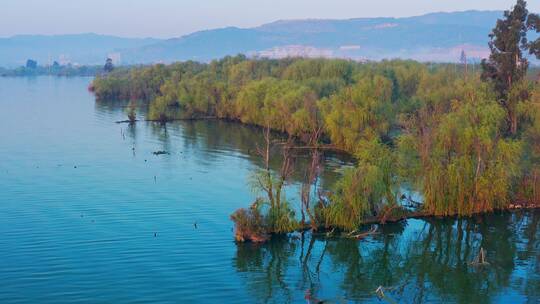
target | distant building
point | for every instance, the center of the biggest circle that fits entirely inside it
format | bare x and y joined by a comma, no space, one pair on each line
296,51
352,47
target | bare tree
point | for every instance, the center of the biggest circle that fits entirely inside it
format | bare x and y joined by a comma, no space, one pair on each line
311,177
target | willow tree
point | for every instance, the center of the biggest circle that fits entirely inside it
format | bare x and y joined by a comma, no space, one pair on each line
279,214
310,182
420,117
528,190
471,167
271,103
365,190
282,105
166,106
362,111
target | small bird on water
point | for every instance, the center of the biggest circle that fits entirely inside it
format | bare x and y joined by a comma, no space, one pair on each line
195,225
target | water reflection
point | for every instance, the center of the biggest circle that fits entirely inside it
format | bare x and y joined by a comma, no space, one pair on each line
418,262
112,109
211,139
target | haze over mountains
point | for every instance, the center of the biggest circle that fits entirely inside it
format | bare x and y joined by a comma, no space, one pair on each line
78,49
431,37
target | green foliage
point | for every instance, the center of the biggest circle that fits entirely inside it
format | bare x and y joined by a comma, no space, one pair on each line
279,217
464,164
533,23
433,127
282,219
142,83
365,190
528,188
249,224
108,67
280,104
362,111
53,70
506,66
471,166
131,112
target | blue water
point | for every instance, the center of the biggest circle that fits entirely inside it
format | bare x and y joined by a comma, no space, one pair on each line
88,214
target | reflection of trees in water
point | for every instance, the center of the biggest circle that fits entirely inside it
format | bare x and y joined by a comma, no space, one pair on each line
162,134
214,137
110,108
267,265
117,108
425,261
440,257
528,255
131,132
211,139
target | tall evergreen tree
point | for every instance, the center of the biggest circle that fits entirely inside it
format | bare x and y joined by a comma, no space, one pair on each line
506,65
533,23
108,65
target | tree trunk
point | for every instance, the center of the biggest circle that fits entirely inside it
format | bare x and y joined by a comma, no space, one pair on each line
513,122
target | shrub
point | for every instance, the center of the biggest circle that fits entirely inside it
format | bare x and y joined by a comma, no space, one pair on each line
249,224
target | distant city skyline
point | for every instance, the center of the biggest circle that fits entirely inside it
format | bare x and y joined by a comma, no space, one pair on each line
170,18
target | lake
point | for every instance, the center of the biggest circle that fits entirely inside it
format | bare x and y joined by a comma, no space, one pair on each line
89,214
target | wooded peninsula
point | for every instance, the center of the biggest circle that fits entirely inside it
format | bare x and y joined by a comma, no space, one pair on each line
467,138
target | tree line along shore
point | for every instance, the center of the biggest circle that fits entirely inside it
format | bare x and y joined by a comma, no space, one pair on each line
467,138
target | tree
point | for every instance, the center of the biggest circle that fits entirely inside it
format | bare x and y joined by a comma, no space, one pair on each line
108,65
506,64
367,190
430,129
311,175
463,60
31,64
131,112
533,23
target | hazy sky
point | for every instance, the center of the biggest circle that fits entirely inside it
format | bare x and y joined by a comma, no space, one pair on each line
171,18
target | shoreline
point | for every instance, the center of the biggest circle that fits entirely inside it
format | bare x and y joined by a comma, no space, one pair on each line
328,147
370,221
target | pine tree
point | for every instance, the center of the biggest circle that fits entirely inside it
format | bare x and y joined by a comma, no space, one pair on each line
506,65
463,60
108,65
533,23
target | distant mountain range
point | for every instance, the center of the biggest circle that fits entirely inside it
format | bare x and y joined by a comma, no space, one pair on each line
437,36
431,37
